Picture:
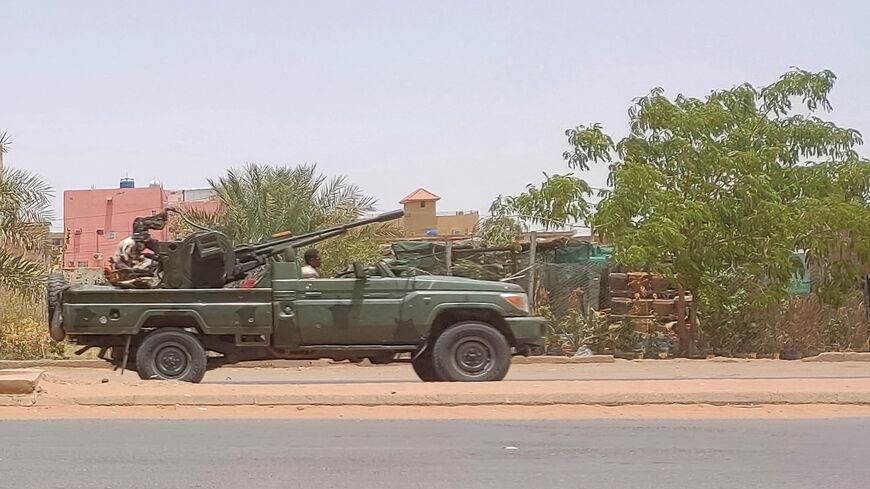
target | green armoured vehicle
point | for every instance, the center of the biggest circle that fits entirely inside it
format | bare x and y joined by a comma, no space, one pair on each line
448,328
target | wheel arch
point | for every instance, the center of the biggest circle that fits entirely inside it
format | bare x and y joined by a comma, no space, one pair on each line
446,316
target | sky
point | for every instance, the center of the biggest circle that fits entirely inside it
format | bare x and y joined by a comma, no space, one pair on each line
468,99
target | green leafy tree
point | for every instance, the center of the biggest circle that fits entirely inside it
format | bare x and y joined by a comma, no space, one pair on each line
719,192
24,218
259,201
501,226
560,200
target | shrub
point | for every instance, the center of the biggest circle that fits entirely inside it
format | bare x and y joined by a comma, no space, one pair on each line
23,330
801,325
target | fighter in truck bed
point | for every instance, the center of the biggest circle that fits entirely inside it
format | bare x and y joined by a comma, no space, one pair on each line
186,320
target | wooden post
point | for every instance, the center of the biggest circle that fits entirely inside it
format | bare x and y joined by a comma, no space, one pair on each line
682,331
693,324
533,251
448,256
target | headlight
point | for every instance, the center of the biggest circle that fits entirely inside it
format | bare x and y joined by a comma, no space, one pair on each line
518,300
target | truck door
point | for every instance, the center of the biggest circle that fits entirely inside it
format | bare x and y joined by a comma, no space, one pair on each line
352,311
284,287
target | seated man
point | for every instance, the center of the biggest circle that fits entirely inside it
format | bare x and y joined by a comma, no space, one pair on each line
312,264
132,266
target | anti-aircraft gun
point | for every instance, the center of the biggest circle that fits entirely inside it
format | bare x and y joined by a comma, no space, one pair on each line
208,259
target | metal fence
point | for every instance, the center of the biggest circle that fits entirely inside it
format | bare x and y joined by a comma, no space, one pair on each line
560,281
566,287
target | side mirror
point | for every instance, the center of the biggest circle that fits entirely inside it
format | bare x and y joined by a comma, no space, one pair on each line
359,270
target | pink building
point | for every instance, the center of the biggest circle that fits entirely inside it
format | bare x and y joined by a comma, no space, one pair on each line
96,220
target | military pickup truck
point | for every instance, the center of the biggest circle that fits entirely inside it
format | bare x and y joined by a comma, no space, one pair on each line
449,328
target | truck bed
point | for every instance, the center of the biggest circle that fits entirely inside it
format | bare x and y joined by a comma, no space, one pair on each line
96,310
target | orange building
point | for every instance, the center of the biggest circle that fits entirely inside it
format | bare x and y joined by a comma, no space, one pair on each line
96,220
423,219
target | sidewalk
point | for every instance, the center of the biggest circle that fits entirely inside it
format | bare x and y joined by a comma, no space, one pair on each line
744,382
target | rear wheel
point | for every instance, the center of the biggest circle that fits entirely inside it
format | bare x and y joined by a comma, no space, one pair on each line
171,354
471,352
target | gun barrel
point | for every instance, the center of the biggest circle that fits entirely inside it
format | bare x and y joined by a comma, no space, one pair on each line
304,239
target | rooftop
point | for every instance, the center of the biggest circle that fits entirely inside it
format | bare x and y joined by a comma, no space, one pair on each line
420,195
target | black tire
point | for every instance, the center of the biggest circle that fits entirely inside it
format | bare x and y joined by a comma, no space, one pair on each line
424,367
171,354
55,326
471,352
55,285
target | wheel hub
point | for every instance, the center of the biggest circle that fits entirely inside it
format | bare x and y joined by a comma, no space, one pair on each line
171,361
473,356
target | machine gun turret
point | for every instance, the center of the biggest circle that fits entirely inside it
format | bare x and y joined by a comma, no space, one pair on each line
208,259
128,267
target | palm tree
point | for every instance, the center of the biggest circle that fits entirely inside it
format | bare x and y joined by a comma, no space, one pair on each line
4,147
261,200
24,218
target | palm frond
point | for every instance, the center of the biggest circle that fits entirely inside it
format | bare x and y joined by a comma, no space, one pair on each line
24,229
260,200
4,142
20,274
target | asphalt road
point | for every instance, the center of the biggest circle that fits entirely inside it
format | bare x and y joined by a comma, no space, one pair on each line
224,454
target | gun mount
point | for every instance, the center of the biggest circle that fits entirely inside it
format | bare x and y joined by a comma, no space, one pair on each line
129,267
207,259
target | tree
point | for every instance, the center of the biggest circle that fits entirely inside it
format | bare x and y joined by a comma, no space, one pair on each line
24,218
719,192
259,200
4,147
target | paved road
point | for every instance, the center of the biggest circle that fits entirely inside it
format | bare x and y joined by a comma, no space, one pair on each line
434,454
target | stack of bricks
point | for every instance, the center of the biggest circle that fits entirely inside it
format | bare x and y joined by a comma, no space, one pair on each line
648,300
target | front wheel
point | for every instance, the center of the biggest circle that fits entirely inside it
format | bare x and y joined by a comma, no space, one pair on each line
471,352
171,354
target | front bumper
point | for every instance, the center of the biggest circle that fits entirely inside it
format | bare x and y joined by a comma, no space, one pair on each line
529,332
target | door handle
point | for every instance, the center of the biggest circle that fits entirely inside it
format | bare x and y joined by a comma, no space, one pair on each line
312,294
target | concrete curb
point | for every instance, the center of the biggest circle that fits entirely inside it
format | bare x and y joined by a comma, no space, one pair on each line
17,364
849,356
22,381
18,401
564,360
478,399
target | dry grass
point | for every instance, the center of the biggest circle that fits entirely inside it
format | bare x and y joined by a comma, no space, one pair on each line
24,330
807,326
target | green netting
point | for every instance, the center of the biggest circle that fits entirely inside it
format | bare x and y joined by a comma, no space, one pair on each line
572,253
801,284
